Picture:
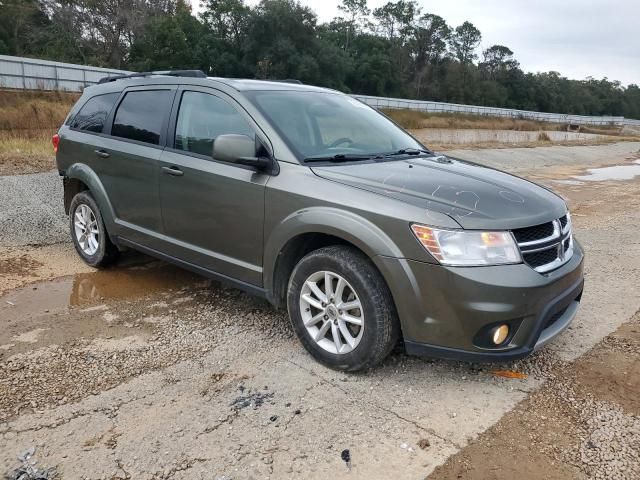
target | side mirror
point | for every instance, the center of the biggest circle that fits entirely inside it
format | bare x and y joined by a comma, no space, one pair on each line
239,149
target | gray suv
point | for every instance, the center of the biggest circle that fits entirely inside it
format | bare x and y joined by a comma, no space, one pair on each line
313,200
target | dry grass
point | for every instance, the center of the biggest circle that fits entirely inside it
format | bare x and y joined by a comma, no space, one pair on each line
543,137
33,111
27,122
30,152
413,120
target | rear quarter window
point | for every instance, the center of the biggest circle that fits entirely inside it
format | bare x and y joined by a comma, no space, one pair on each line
141,115
93,114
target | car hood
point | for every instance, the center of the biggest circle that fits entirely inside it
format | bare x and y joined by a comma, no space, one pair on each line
475,196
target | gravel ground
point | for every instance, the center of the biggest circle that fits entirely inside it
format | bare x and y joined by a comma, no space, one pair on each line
145,372
32,210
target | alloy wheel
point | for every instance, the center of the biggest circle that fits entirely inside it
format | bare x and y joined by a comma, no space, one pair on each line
332,312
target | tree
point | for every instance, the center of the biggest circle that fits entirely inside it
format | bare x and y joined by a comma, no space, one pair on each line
464,42
497,59
428,46
18,22
356,12
227,20
395,19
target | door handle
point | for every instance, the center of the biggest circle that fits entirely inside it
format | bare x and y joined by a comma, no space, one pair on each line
175,171
102,153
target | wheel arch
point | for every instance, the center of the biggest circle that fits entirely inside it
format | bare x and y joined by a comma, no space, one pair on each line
79,177
314,228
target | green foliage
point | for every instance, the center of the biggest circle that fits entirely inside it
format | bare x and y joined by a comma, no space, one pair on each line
394,50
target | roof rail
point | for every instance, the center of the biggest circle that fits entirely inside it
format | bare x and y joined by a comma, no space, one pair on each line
170,73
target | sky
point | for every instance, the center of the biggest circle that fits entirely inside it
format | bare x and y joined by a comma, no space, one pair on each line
578,38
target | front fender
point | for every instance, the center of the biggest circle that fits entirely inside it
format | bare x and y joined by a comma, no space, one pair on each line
83,173
343,224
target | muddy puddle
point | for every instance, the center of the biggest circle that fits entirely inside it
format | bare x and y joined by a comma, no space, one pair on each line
84,305
604,174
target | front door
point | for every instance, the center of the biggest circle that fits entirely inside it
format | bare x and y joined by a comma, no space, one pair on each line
212,211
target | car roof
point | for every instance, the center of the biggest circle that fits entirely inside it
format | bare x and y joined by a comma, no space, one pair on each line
242,84
238,84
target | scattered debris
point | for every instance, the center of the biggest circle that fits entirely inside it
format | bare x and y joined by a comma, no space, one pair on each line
509,374
346,457
256,400
28,470
424,443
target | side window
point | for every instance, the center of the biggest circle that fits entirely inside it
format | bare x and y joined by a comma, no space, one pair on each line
203,117
94,113
141,115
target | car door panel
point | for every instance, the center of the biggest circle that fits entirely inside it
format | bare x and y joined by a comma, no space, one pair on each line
213,215
128,160
212,211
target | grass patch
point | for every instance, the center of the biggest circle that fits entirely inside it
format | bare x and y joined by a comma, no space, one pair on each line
31,111
26,143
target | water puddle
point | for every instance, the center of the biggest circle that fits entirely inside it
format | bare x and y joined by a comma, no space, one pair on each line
603,174
84,305
617,172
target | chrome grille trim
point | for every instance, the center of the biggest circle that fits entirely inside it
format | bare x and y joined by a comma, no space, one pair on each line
556,241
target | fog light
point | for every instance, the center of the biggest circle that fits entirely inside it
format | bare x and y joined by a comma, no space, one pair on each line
500,334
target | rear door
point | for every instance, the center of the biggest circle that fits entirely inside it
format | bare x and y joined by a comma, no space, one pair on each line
212,211
128,160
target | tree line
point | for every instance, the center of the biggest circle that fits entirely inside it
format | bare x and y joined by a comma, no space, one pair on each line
396,50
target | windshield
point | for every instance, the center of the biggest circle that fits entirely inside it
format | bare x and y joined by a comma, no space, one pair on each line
319,124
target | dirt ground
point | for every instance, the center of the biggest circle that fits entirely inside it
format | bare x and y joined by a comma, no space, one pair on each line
146,371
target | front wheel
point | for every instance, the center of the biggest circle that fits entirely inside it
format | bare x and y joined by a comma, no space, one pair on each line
341,309
89,233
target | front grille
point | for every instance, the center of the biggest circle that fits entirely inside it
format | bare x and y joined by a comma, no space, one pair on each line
531,234
563,221
538,259
547,246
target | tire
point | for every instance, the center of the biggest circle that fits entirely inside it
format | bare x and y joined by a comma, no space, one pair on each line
362,284
100,252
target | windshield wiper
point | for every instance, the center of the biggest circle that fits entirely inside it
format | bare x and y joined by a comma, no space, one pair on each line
341,157
408,151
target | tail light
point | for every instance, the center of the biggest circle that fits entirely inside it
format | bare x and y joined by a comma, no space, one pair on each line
56,141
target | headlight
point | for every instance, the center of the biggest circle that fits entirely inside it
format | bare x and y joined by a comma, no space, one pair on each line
468,247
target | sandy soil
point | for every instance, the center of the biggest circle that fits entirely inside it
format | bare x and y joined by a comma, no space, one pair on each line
146,371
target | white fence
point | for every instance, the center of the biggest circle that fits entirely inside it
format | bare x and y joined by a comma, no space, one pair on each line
32,74
439,107
28,73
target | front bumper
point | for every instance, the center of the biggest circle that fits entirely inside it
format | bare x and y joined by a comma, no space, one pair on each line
444,310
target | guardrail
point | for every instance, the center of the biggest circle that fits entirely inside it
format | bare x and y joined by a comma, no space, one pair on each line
33,74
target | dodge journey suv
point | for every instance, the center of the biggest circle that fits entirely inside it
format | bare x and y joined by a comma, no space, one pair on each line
317,202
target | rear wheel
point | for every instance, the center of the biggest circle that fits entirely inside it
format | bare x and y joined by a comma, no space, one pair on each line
89,233
341,309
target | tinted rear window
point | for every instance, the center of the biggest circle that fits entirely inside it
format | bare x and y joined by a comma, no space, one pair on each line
94,113
141,115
